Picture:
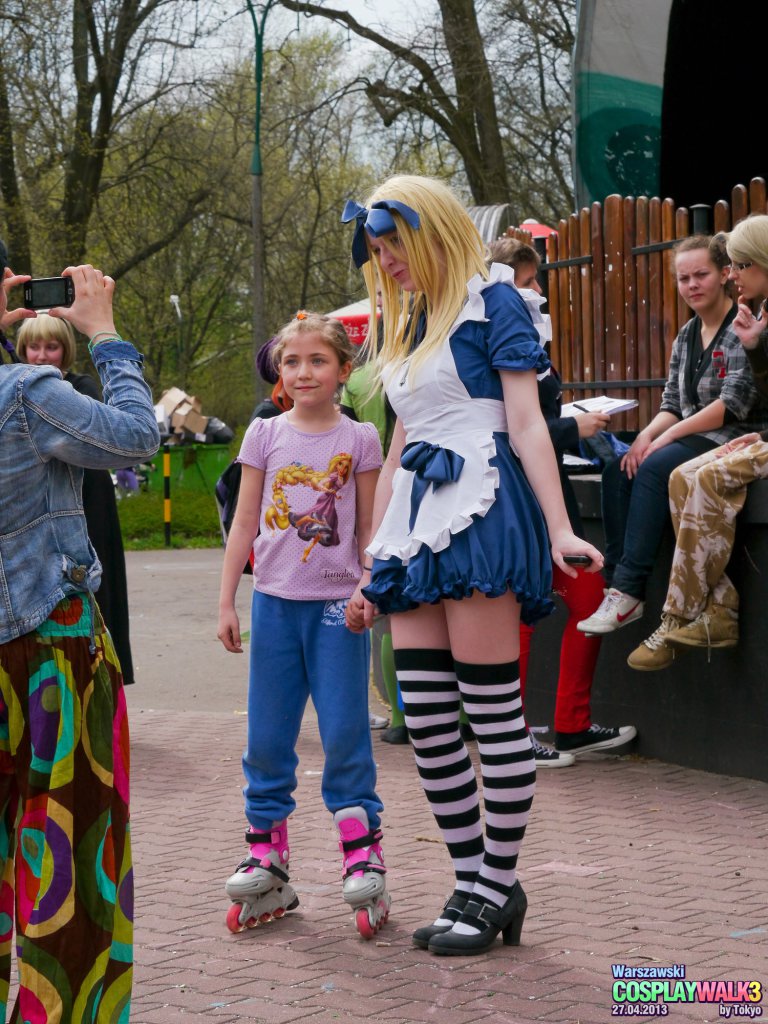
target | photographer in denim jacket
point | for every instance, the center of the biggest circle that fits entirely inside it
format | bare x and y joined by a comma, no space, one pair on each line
64,832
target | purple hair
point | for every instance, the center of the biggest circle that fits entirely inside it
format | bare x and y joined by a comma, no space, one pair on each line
265,364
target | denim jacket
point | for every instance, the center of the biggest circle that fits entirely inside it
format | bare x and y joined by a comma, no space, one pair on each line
48,432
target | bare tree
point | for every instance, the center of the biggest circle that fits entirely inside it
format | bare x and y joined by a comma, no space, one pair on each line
530,48
59,115
444,77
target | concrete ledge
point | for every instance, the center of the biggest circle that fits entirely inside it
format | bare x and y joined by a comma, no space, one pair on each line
709,713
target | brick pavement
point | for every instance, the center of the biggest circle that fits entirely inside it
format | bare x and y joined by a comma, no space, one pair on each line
625,861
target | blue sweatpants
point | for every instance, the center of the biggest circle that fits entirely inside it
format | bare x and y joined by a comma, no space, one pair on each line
302,649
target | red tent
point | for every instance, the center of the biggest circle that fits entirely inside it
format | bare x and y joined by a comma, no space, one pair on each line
537,230
356,318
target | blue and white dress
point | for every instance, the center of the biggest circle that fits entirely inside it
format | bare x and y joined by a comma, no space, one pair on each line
463,516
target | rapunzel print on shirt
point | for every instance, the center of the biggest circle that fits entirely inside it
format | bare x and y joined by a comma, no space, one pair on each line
319,523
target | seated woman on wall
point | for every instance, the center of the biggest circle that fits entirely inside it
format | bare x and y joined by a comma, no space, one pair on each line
707,401
707,494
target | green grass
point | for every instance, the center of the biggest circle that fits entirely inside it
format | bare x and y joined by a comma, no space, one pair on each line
194,521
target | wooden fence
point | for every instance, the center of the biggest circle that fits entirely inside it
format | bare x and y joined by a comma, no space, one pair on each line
612,292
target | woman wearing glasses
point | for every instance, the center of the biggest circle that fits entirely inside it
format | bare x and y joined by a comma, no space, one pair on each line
707,493
708,400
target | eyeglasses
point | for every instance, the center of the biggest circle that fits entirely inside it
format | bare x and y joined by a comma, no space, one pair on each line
741,266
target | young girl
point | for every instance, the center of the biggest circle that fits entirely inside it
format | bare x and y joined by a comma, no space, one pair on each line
305,507
461,547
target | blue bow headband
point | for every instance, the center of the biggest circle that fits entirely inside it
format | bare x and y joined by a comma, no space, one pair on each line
377,221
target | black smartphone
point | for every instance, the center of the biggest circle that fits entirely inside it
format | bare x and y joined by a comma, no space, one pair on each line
577,559
46,292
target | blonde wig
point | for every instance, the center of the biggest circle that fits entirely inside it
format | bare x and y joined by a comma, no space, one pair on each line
443,253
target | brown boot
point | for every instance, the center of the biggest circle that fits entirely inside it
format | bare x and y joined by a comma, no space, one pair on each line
655,653
717,626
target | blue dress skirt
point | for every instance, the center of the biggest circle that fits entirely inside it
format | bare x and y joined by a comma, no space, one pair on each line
463,516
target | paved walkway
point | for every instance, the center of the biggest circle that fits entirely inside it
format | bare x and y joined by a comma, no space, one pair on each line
625,862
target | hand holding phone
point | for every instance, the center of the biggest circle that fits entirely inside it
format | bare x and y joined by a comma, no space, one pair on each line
577,559
47,292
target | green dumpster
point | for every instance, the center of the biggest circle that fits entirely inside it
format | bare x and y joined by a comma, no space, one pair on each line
194,467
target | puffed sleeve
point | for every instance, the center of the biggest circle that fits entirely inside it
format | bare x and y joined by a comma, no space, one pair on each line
253,448
513,341
370,456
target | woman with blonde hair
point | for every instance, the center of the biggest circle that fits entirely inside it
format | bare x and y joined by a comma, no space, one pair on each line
49,341
460,549
706,494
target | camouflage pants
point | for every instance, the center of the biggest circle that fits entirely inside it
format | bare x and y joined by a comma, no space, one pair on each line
705,496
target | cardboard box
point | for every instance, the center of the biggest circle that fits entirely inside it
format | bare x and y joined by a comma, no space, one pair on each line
179,413
171,399
195,423
185,418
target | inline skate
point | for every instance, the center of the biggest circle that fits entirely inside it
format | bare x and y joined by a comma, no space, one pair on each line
364,887
259,888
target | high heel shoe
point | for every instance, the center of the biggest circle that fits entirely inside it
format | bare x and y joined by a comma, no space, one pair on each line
452,910
490,920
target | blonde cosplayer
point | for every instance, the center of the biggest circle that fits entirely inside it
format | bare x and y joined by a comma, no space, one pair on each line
444,251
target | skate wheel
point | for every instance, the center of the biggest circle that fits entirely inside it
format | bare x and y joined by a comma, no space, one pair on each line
233,918
364,926
277,914
264,918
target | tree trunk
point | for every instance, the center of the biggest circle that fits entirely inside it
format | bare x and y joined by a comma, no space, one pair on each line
469,121
476,122
17,241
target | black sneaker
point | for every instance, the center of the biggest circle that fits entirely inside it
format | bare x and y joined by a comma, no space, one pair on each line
546,757
395,734
596,737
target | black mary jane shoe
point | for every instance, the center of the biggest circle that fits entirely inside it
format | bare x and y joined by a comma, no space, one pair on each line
490,920
452,911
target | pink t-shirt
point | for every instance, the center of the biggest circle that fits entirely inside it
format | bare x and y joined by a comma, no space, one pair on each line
307,548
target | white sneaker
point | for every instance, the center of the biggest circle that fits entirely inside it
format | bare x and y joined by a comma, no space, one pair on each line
376,721
616,610
547,757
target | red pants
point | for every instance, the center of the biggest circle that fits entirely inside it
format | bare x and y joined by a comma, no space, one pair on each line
578,653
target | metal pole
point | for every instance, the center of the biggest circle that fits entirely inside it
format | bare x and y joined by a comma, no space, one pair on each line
167,493
258,12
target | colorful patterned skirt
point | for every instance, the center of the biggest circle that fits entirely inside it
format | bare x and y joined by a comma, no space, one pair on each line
66,878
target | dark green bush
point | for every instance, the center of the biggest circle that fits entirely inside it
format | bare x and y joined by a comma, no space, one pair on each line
194,521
